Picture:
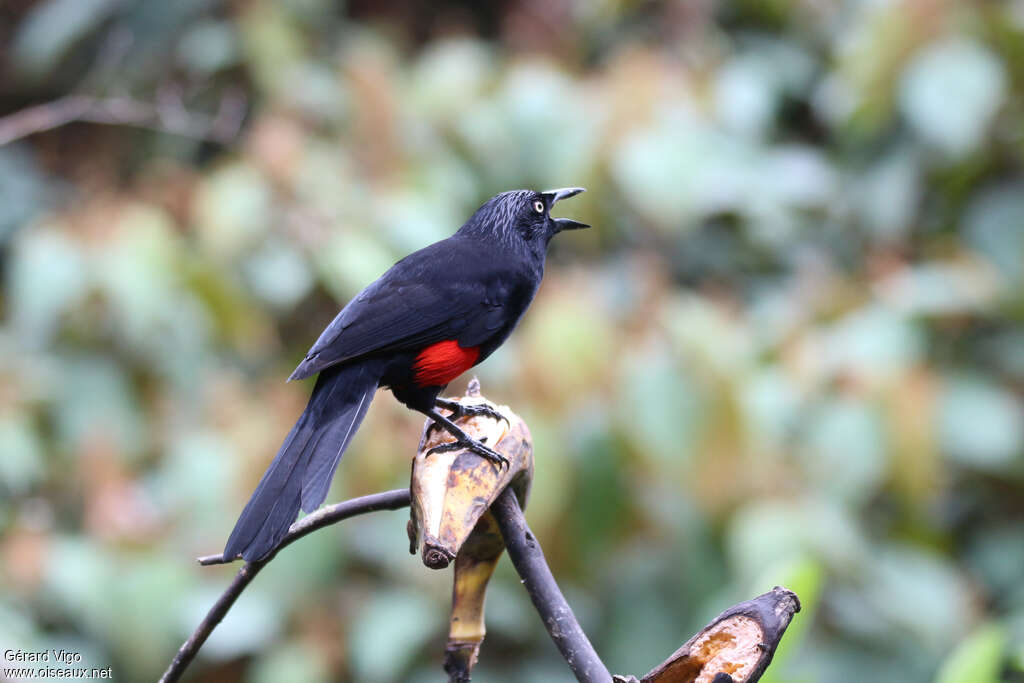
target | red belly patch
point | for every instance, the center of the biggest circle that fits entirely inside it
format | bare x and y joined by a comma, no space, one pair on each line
442,362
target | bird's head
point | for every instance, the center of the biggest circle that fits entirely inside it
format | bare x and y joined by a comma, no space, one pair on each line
523,216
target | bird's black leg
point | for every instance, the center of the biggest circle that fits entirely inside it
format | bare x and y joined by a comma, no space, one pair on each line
462,440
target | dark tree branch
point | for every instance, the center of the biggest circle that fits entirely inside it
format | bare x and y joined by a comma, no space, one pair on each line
734,648
388,500
168,116
742,639
528,559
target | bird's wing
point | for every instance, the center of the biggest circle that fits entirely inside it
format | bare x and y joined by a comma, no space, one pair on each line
418,302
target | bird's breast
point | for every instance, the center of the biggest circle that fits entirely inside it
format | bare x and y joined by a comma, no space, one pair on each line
440,363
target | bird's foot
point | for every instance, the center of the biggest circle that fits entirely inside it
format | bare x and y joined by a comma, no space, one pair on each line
460,410
473,446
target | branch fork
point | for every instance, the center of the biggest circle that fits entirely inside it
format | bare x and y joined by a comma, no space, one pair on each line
466,510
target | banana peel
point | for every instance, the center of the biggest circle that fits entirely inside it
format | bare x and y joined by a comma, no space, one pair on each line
736,647
450,516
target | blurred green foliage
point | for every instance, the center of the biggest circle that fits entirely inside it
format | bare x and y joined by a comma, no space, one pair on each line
791,350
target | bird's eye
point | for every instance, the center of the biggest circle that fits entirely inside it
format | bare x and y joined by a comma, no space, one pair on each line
538,206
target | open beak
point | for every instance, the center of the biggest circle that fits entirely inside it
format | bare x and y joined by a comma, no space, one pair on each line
552,196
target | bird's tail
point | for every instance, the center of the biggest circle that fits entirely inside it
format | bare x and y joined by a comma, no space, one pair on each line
301,473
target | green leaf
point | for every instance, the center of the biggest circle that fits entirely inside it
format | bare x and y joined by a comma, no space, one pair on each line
21,465
845,449
981,424
956,71
52,29
805,576
250,627
994,226
279,274
25,189
291,663
978,659
208,47
389,631
47,277
233,210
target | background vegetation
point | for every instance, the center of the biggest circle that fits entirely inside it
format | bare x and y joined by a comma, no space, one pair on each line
791,350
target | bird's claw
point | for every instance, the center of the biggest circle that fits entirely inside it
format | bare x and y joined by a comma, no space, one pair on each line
473,446
478,409
460,410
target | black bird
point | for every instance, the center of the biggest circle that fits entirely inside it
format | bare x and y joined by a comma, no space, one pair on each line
429,318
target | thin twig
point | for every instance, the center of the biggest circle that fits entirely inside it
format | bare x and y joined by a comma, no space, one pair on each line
388,500
528,559
167,117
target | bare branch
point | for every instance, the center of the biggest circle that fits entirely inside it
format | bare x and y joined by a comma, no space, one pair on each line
736,647
741,640
165,116
528,559
388,500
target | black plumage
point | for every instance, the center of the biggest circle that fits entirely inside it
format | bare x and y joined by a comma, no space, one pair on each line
429,317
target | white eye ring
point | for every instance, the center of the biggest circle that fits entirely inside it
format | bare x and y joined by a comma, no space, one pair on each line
538,206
